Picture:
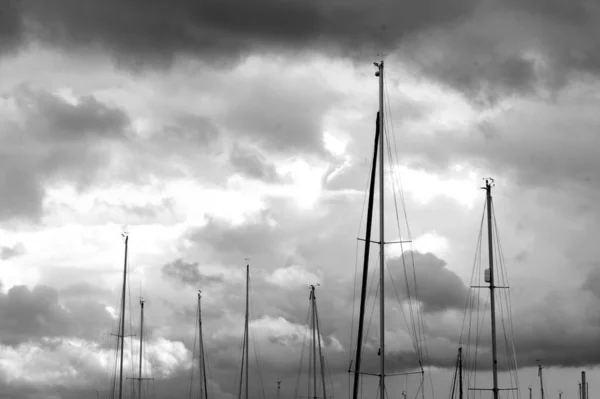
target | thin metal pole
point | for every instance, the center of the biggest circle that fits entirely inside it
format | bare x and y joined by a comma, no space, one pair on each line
202,360
541,380
247,317
314,340
363,289
141,343
460,377
382,241
321,357
488,190
122,332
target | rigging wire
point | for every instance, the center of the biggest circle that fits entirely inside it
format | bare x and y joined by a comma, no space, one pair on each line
302,357
417,323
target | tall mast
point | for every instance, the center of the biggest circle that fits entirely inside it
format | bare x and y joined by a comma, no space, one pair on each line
363,289
488,189
201,362
379,73
141,341
314,342
278,387
122,332
246,324
530,394
460,377
541,380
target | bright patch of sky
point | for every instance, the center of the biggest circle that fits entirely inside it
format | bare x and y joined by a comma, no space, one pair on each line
306,181
294,275
428,242
425,187
334,144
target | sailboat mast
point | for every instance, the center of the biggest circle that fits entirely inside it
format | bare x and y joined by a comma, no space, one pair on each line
321,357
122,332
460,372
363,288
382,241
541,380
488,190
246,324
314,340
141,341
201,362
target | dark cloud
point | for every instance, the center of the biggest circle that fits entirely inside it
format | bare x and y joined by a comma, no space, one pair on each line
50,139
243,240
272,114
513,48
438,287
252,164
33,314
489,50
11,26
153,32
81,289
7,253
189,273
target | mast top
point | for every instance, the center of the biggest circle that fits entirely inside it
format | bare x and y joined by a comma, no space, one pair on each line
199,294
379,66
489,183
312,290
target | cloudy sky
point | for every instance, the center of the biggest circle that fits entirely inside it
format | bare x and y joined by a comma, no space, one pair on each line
223,130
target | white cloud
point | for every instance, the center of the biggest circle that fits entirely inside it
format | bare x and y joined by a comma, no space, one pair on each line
333,144
425,187
294,275
306,186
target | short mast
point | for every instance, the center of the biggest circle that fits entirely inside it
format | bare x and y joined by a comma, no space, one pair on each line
316,344
541,380
489,182
140,378
379,73
141,342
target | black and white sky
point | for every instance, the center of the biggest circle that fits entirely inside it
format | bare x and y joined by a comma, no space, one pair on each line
224,130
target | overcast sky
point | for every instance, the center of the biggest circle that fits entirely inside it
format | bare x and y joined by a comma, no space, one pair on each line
224,130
